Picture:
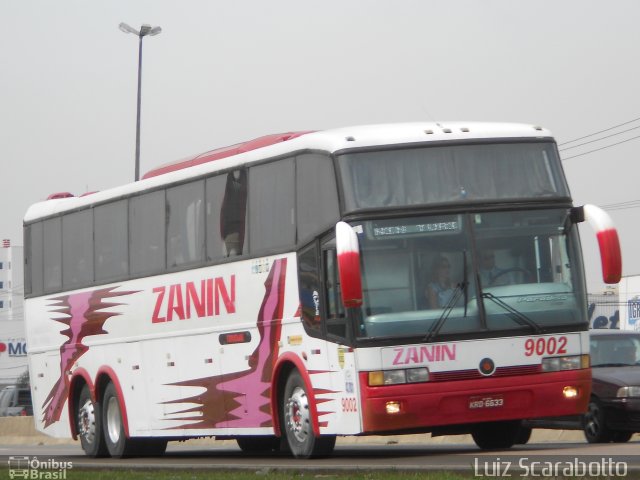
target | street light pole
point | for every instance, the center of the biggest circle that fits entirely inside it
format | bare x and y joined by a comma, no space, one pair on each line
143,32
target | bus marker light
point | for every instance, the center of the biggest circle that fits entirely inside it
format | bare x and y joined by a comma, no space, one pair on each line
570,392
376,378
393,407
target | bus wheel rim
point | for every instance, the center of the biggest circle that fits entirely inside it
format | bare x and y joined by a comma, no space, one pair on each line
87,422
298,419
114,420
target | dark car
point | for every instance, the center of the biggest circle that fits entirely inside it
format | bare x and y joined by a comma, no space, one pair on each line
614,408
15,401
613,414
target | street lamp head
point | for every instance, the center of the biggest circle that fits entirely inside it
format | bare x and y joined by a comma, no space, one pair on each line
127,29
145,30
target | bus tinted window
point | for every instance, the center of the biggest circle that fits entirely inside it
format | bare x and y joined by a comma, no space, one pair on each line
226,214
146,226
310,289
185,224
272,202
52,254
77,249
317,195
34,254
111,241
451,174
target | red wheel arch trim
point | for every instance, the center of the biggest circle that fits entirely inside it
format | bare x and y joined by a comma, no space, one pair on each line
78,372
297,362
109,372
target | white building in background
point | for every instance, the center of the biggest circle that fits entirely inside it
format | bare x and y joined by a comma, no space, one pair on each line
13,354
630,303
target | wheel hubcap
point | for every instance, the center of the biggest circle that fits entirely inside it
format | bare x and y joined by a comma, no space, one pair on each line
592,424
87,422
114,420
297,415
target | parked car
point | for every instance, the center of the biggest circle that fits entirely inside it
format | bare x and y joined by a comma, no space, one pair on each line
613,414
15,401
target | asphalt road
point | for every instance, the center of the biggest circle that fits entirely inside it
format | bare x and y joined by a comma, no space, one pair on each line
527,460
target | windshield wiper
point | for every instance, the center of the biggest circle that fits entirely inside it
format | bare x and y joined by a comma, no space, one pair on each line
520,317
446,311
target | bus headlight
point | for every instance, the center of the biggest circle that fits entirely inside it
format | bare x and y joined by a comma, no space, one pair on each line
397,377
571,362
626,392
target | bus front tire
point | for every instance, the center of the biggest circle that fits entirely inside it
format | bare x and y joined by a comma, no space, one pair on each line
297,422
89,425
496,435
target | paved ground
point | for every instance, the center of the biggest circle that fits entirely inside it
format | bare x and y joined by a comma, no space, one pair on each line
21,431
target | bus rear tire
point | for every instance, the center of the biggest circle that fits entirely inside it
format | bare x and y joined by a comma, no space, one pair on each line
297,422
118,444
496,435
89,425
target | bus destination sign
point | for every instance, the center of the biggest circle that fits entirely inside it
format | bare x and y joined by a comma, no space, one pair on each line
386,230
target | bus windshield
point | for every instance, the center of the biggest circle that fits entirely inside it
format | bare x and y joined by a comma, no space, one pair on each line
448,174
471,274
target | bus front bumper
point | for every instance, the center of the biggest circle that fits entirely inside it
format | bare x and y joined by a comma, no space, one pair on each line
411,407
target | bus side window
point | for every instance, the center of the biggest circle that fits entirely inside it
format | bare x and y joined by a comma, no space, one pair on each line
226,210
336,318
310,288
185,224
52,254
111,241
77,249
147,233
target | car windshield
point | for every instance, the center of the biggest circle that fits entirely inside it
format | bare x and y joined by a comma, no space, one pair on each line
615,350
471,274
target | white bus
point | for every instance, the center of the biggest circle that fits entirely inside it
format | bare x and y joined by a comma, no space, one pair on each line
360,281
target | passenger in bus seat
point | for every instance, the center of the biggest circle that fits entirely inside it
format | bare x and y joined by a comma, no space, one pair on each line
440,289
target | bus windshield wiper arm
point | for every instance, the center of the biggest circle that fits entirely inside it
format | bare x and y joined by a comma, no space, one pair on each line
446,311
521,318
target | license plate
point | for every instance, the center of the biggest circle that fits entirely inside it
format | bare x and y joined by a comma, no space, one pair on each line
491,401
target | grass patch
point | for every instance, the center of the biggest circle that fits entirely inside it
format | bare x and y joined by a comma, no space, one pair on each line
78,474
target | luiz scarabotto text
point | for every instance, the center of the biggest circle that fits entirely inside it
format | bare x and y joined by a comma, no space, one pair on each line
537,467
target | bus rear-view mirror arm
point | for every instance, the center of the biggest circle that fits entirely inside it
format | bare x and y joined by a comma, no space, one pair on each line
349,265
608,241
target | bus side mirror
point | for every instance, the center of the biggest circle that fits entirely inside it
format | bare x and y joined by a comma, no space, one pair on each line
349,265
610,253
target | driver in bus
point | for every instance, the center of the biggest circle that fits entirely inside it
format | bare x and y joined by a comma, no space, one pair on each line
490,273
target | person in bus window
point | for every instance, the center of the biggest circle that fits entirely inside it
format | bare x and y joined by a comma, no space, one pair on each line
233,211
440,289
490,273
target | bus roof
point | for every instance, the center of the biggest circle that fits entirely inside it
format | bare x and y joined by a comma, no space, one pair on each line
281,144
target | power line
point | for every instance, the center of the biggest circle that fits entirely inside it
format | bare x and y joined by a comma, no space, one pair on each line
601,148
599,139
601,131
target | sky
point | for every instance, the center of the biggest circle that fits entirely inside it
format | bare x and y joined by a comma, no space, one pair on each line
223,72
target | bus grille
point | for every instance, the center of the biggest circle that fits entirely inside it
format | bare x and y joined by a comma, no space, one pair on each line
475,374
